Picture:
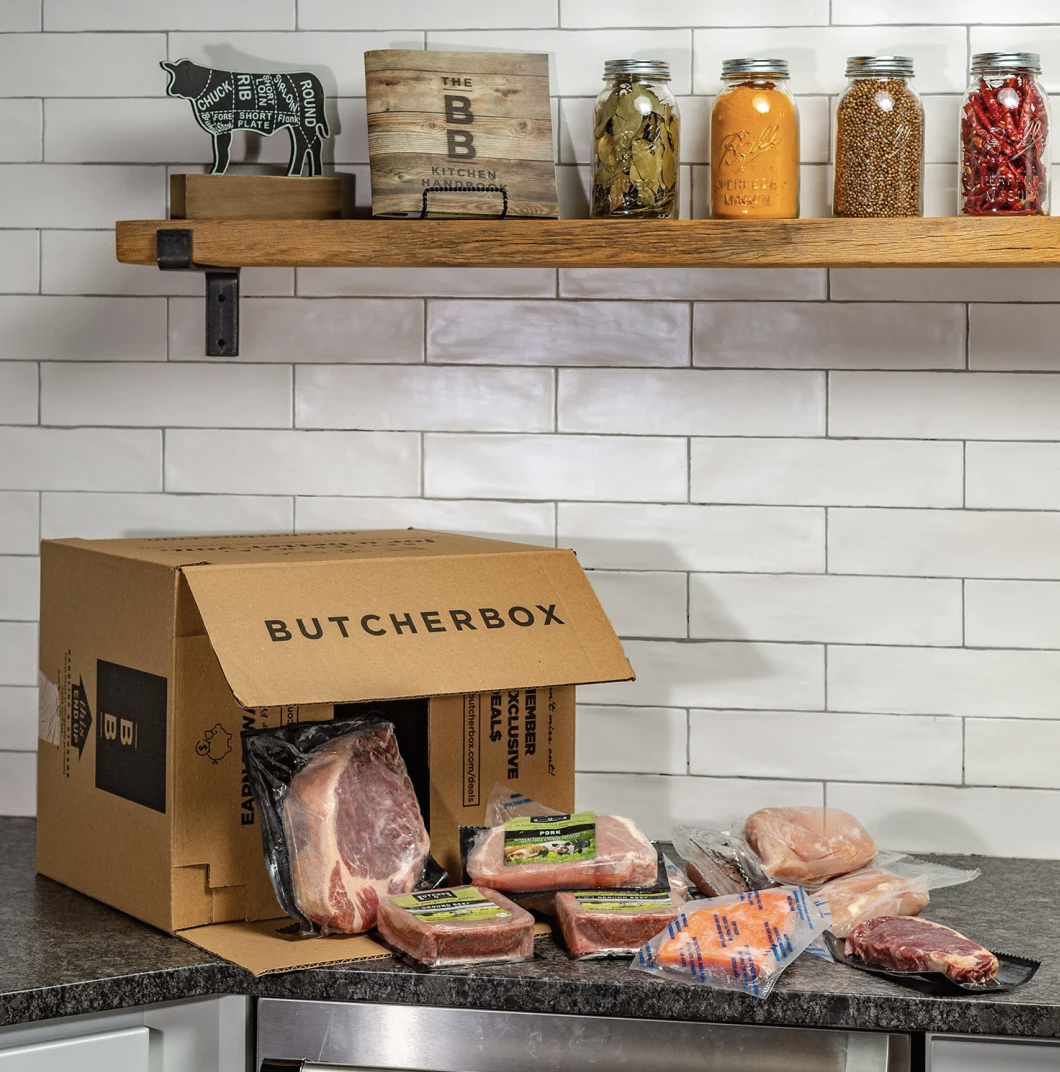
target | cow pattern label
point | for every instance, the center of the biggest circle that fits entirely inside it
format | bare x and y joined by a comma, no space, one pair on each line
131,734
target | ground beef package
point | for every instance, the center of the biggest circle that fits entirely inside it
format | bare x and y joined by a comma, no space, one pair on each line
463,925
611,923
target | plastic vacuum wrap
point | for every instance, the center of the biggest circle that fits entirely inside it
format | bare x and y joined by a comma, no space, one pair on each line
340,824
463,925
719,863
529,848
741,942
807,845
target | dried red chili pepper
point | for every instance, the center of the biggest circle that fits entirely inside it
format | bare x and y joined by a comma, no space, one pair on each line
1004,129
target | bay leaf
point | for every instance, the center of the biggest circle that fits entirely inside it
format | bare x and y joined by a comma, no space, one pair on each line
669,167
605,150
626,116
646,195
623,141
617,193
646,162
604,112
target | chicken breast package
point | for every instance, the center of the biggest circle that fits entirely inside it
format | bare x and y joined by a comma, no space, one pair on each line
611,923
340,824
806,846
463,925
740,942
892,885
529,848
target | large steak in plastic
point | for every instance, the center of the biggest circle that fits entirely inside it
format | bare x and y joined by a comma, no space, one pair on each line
804,846
624,857
354,830
904,944
458,926
856,898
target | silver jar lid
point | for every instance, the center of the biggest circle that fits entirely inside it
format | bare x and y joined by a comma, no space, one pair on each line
756,65
1004,61
659,70
880,67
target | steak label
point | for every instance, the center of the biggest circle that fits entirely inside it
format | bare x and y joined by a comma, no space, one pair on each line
539,839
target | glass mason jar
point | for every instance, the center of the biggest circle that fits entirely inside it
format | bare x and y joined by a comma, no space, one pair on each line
636,130
879,140
1004,135
754,143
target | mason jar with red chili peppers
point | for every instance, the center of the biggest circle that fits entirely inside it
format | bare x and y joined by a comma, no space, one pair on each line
1004,137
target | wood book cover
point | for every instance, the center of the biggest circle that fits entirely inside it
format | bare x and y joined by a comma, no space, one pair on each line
460,134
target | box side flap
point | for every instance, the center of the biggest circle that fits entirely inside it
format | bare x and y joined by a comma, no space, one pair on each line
331,632
176,551
274,945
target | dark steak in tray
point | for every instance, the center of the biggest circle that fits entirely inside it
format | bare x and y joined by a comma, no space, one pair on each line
905,944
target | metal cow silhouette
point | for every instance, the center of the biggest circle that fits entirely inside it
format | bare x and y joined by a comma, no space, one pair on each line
224,101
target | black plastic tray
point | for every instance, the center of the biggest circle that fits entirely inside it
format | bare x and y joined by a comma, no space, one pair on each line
1012,972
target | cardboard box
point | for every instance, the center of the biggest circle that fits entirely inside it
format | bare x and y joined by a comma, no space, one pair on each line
156,653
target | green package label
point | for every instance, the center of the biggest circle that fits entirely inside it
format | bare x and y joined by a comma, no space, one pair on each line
622,901
553,839
434,906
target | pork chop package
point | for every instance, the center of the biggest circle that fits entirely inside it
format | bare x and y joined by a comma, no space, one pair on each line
612,923
529,848
806,846
741,942
340,823
464,925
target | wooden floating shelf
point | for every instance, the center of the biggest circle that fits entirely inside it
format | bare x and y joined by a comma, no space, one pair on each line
951,242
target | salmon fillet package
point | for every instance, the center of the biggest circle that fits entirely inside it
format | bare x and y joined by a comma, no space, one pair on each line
741,942
340,823
529,848
806,846
464,925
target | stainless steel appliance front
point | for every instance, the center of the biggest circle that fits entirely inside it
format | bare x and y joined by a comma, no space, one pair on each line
326,1035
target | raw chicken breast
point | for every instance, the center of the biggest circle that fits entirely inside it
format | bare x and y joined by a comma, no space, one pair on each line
805,846
624,857
862,896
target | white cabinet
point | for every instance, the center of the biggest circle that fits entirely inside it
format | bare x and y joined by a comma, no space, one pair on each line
991,1055
199,1035
103,1052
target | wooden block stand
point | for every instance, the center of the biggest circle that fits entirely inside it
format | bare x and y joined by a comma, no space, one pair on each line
254,197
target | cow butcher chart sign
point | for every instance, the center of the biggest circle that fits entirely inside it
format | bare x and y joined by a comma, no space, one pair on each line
224,101
460,134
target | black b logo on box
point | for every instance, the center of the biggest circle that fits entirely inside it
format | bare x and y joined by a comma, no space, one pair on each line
131,734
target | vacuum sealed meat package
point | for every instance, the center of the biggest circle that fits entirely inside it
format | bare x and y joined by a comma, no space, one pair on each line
892,885
808,845
464,925
340,823
538,850
902,944
718,862
740,942
609,923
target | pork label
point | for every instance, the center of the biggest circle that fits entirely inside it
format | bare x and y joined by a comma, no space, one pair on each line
537,839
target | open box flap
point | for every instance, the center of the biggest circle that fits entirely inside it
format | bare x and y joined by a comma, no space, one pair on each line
308,632
274,945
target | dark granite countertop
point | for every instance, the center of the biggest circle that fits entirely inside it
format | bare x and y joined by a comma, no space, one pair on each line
63,954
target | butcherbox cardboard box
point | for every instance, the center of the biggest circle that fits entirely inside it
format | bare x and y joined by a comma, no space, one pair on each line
156,653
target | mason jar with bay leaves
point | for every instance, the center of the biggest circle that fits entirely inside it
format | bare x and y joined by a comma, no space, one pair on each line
635,142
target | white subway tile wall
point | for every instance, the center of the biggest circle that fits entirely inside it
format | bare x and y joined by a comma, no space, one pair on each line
822,508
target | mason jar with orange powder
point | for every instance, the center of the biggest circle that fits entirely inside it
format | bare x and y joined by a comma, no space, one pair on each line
754,143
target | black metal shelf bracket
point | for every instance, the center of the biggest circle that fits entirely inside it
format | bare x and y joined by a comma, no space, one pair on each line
173,250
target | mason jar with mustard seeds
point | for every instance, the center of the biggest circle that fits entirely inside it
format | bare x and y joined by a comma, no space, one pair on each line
879,140
636,137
